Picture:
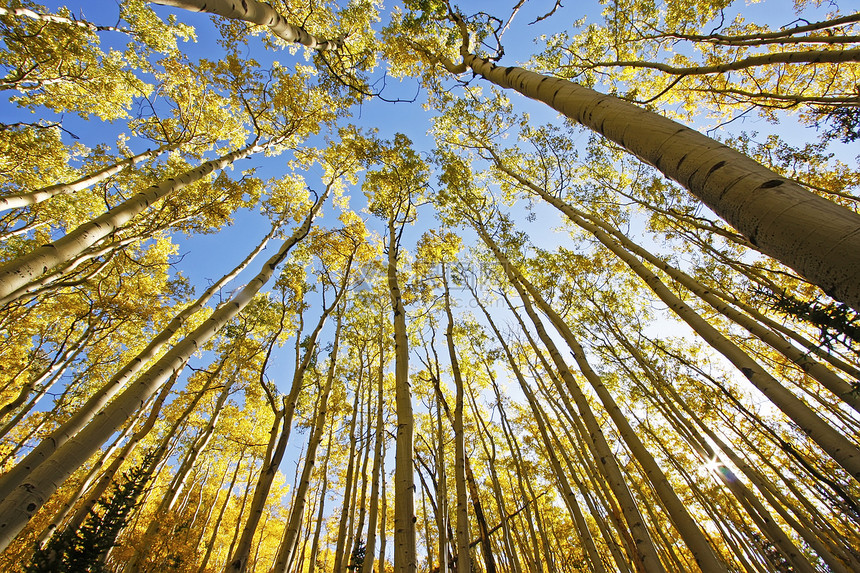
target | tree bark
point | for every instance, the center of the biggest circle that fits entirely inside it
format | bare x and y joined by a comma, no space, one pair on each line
83,414
17,509
261,13
405,557
18,272
605,234
816,237
316,435
17,200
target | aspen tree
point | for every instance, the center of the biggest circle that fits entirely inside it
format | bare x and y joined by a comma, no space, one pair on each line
255,12
608,236
817,238
645,546
14,201
16,273
394,191
379,438
18,507
118,381
567,492
288,541
279,434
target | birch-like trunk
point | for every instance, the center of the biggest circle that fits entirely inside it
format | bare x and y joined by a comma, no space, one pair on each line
291,532
17,200
238,561
107,476
644,544
464,557
373,512
17,508
20,271
405,558
829,439
608,237
85,413
254,12
217,525
563,485
816,237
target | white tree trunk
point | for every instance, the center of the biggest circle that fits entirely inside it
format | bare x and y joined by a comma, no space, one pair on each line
261,13
816,237
405,558
17,200
82,415
17,509
602,230
288,542
18,272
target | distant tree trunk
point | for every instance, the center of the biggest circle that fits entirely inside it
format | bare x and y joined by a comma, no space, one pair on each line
464,558
16,200
383,526
442,518
321,496
210,545
177,484
373,512
405,558
349,482
288,542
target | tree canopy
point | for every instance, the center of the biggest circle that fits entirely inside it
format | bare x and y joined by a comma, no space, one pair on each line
430,286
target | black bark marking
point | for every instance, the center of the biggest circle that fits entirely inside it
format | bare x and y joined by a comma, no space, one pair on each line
770,184
747,372
714,168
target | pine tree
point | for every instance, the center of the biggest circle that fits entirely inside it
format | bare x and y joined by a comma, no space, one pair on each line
85,549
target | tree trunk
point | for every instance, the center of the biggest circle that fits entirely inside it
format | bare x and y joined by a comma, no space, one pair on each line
18,272
405,557
17,509
291,532
601,230
370,545
816,237
254,12
464,558
83,414
14,201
